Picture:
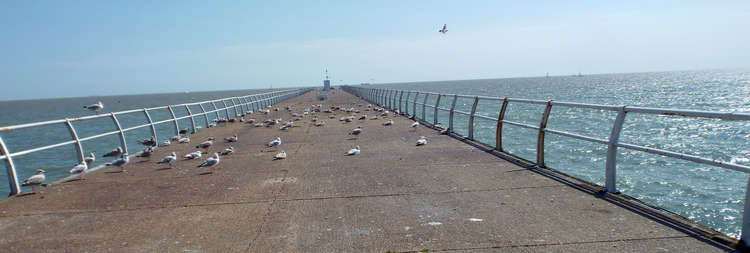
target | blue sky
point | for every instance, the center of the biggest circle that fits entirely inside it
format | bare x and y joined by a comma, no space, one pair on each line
81,48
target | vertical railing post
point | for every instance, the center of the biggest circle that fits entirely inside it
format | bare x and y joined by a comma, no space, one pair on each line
381,98
414,105
471,118
122,134
744,237
174,120
393,100
499,128
10,168
151,123
226,108
192,119
74,136
216,109
437,104
400,100
389,99
424,105
611,170
406,103
205,115
450,116
234,107
254,102
540,138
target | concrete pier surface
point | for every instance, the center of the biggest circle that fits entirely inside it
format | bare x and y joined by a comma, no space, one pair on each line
445,196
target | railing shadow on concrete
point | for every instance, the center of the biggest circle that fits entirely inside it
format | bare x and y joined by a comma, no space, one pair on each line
399,100
238,105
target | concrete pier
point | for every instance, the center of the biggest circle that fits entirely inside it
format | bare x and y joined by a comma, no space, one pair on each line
446,196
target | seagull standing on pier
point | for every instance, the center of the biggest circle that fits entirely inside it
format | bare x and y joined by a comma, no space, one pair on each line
94,107
35,181
388,123
80,168
114,153
121,162
211,161
90,159
356,131
228,151
354,151
280,155
275,143
415,124
206,143
194,155
169,159
422,141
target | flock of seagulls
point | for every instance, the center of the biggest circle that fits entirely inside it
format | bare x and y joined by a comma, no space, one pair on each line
151,144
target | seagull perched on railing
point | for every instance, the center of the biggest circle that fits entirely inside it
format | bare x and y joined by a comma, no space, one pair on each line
94,107
211,161
35,180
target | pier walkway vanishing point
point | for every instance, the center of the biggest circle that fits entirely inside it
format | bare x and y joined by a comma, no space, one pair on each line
444,196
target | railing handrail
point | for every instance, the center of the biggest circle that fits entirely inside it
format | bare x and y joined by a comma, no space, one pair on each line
383,96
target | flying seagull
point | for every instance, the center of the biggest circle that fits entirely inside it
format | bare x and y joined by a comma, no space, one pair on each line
34,181
94,107
444,30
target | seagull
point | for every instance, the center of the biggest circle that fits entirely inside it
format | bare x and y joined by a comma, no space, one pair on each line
228,151
194,155
34,181
184,140
444,30
363,117
114,153
183,131
388,123
90,159
206,143
415,124
374,117
275,142
320,123
211,161
422,140
231,138
169,159
94,107
356,131
354,151
79,168
176,138
121,162
280,155
148,142
147,152
166,143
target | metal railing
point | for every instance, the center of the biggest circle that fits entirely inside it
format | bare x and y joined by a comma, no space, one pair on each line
244,103
392,99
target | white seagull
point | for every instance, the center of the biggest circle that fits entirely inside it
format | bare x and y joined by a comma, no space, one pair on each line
79,168
356,131
35,181
231,138
169,159
184,140
422,140
415,124
211,161
228,151
121,162
166,143
114,153
388,123
354,151
90,159
206,143
94,107
275,143
280,155
194,155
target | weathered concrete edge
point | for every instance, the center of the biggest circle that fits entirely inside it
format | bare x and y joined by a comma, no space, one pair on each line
657,214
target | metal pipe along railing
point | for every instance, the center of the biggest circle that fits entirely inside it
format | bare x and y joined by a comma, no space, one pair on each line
382,96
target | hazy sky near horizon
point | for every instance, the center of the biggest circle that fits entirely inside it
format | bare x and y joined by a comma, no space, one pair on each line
82,48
